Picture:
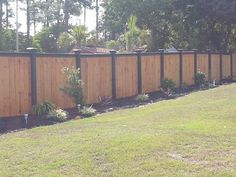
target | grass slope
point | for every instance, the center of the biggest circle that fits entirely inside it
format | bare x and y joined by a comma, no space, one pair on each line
191,136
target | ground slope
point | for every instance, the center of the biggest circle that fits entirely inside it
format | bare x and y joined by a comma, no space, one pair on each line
190,136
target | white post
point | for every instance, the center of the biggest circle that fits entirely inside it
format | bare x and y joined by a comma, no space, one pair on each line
26,116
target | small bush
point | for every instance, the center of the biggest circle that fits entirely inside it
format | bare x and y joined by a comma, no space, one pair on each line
58,115
200,78
88,111
184,87
167,85
74,86
43,108
142,98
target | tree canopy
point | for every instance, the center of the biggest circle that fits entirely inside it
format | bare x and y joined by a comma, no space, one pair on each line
125,24
179,23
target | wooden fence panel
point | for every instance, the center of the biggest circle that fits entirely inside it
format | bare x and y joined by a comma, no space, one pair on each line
215,67
126,76
97,77
15,86
150,73
172,68
234,66
188,69
226,66
50,79
202,63
96,72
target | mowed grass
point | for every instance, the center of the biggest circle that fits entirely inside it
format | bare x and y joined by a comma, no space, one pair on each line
193,135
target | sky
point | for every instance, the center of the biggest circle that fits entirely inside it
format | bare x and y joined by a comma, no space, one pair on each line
90,22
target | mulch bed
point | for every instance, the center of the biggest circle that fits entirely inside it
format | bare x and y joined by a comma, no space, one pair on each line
17,123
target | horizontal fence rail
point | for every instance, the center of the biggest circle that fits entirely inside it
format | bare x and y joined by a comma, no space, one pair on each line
27,79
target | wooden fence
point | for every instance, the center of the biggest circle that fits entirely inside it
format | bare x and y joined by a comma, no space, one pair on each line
30,78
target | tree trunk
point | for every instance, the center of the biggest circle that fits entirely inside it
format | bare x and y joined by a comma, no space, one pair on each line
28,21
58,17
7,14
1,14
154,46
66,15
47,16
97,15
85,15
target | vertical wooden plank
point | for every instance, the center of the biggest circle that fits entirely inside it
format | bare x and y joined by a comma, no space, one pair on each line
126,76
1,86
21,84
105,82
172,68
40,79
4,87
97,78
13,97
226,66
188,69
24,86
50,79
234,66
202,64
150,73
64,99
27,88
49,90
15,86
84,77
215,67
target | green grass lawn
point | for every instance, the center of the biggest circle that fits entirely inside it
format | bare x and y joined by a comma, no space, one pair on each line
193,135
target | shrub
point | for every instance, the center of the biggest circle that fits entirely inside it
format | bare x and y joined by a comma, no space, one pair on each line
200,78
88,111
74,86
184,87
58,115
142,98
167,85
43,108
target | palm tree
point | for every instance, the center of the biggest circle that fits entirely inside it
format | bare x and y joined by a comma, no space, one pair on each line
131,35
79,35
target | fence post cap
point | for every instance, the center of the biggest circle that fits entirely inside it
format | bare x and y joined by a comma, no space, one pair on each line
161,50
31,49
76,50
139,50
112,51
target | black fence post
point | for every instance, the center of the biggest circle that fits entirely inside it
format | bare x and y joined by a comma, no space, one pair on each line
139,64
162,64
77,60
113,56
209,64
195,60
181,66
32,52
221,65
